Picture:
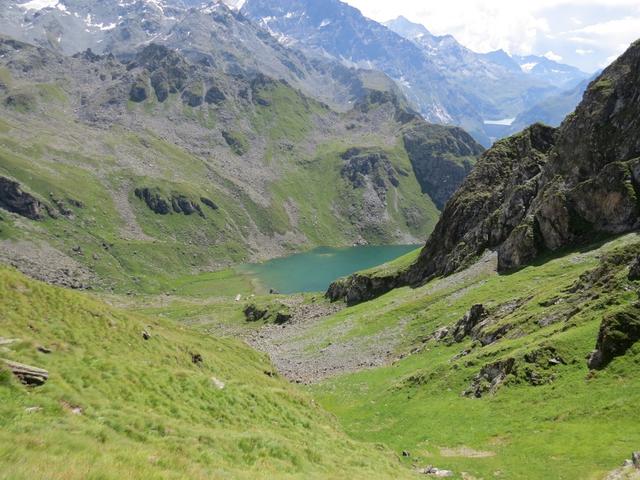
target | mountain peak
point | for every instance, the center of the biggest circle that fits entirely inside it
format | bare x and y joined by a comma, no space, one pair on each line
406,28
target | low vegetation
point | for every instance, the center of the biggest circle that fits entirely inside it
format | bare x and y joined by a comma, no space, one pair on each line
132,396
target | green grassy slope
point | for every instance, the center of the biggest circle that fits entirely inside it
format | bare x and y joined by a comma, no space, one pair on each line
281,192
575,425
118,406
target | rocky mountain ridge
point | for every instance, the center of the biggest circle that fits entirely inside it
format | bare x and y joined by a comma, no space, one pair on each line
541,190
447,82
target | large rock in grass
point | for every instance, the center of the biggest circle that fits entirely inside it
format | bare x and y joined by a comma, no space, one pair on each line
618,332
28,375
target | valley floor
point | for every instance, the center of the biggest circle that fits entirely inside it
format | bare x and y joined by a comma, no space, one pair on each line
510,398
380,368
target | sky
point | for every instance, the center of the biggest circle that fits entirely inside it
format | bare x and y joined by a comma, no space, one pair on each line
588,34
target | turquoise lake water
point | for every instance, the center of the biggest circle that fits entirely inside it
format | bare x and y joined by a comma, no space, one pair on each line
314,271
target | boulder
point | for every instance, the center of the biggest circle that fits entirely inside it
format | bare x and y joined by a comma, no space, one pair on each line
436,472
468,322
214,96
491,377
634,270
253,313
618,332
28,375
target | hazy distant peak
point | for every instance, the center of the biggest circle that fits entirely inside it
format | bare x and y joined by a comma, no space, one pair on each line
406,28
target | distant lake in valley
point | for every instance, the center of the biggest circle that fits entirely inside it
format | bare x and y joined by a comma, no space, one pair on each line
314,271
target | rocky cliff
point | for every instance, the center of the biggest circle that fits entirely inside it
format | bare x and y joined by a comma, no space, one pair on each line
545,189
542,189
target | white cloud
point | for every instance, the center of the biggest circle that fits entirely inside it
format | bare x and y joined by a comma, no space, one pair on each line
581,51
560,26
553,56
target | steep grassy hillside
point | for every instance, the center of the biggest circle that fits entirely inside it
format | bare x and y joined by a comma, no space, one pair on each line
177,405
128,175
508,393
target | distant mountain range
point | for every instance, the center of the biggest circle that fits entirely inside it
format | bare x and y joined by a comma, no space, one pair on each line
447,82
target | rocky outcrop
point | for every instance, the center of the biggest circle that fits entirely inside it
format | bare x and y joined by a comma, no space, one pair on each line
491,205
361,288
441,158
138,92
164,205
209,203
154,200
236,141
277,313
167,69
491,377
537,367
468,322
192,95
253,313
214,96
14,199
545,189
363,166
28,375
618,332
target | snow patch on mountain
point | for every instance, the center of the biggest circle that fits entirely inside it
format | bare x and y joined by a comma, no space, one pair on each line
88,21
234,4
39,4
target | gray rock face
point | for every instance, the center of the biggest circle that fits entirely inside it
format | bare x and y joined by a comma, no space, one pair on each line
16,200
468,322
491,203
439,172
365,165
545,189
163,205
